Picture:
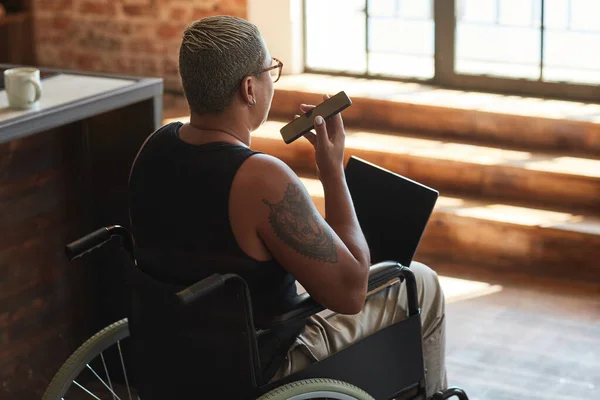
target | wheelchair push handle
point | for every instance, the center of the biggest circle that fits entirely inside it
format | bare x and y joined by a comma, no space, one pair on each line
96,239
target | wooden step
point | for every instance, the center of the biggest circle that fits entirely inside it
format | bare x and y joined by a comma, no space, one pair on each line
530,123
544,180
517,240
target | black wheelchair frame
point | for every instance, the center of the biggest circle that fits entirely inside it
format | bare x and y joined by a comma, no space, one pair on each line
203,339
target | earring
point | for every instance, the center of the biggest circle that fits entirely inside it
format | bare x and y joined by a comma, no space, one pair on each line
252,103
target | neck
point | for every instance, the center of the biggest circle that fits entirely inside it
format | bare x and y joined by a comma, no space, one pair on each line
223,127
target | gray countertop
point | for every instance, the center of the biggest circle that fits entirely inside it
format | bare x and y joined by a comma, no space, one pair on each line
69,96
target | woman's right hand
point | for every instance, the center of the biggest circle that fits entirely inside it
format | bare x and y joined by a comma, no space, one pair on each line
328,141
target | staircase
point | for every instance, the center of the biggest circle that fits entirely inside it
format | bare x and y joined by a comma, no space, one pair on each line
519,178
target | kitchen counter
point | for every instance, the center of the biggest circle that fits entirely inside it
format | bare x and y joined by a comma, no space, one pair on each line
69,96
63,173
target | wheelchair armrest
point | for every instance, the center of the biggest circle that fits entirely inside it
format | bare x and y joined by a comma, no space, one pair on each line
383,272
303,306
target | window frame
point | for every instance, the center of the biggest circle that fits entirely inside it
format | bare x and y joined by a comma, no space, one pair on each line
446,76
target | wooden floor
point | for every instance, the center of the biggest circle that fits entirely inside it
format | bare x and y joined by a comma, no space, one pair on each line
513,336
524,340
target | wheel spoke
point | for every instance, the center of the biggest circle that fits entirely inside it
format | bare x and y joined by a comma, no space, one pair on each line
124,371
106,371
87,391
104,383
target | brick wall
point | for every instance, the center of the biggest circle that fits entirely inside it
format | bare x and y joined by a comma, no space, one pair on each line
138,37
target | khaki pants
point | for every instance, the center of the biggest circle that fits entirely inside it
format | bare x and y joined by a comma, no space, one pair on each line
325,336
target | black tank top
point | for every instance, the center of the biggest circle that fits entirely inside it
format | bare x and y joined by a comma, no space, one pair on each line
179,210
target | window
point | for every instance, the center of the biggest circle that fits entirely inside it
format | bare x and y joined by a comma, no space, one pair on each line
572,43
536,47
357,39
401,20
499,38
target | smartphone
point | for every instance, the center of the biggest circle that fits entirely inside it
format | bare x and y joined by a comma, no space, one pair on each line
305,123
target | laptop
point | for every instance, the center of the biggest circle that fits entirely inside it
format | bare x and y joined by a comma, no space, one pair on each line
392,210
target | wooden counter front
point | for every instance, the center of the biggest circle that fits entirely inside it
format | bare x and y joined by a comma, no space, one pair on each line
63,173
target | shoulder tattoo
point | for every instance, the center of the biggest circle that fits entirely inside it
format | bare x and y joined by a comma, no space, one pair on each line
297,224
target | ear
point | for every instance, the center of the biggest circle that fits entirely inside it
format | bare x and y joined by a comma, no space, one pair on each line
248,90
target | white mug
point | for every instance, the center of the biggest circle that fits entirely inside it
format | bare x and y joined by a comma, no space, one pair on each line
23,87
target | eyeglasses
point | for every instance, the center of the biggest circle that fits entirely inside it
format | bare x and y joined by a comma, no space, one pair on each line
274,71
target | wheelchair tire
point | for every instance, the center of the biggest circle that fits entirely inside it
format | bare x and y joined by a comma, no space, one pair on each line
320,388
78,361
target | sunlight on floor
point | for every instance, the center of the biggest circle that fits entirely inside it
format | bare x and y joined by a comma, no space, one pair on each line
270,129
416,93
314,187
483,155
474,154
389,143
441,150
567,165
449,202
518,215
492,212
461,289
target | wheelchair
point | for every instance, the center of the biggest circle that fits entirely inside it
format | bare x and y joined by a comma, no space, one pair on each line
200,341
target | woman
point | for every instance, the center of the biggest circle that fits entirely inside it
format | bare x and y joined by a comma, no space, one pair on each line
204,201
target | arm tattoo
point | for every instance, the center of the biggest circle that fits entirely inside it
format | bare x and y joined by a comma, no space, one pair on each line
295,222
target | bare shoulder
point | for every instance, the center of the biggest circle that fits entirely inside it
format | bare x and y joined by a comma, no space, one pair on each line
260,178
260,181
262,172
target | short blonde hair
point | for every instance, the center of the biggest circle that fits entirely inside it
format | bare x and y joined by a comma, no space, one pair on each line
216,53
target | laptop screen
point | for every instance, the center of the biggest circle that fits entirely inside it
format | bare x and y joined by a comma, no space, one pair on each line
392,210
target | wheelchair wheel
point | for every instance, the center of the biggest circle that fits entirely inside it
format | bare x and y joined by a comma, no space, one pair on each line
317,389
86,372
